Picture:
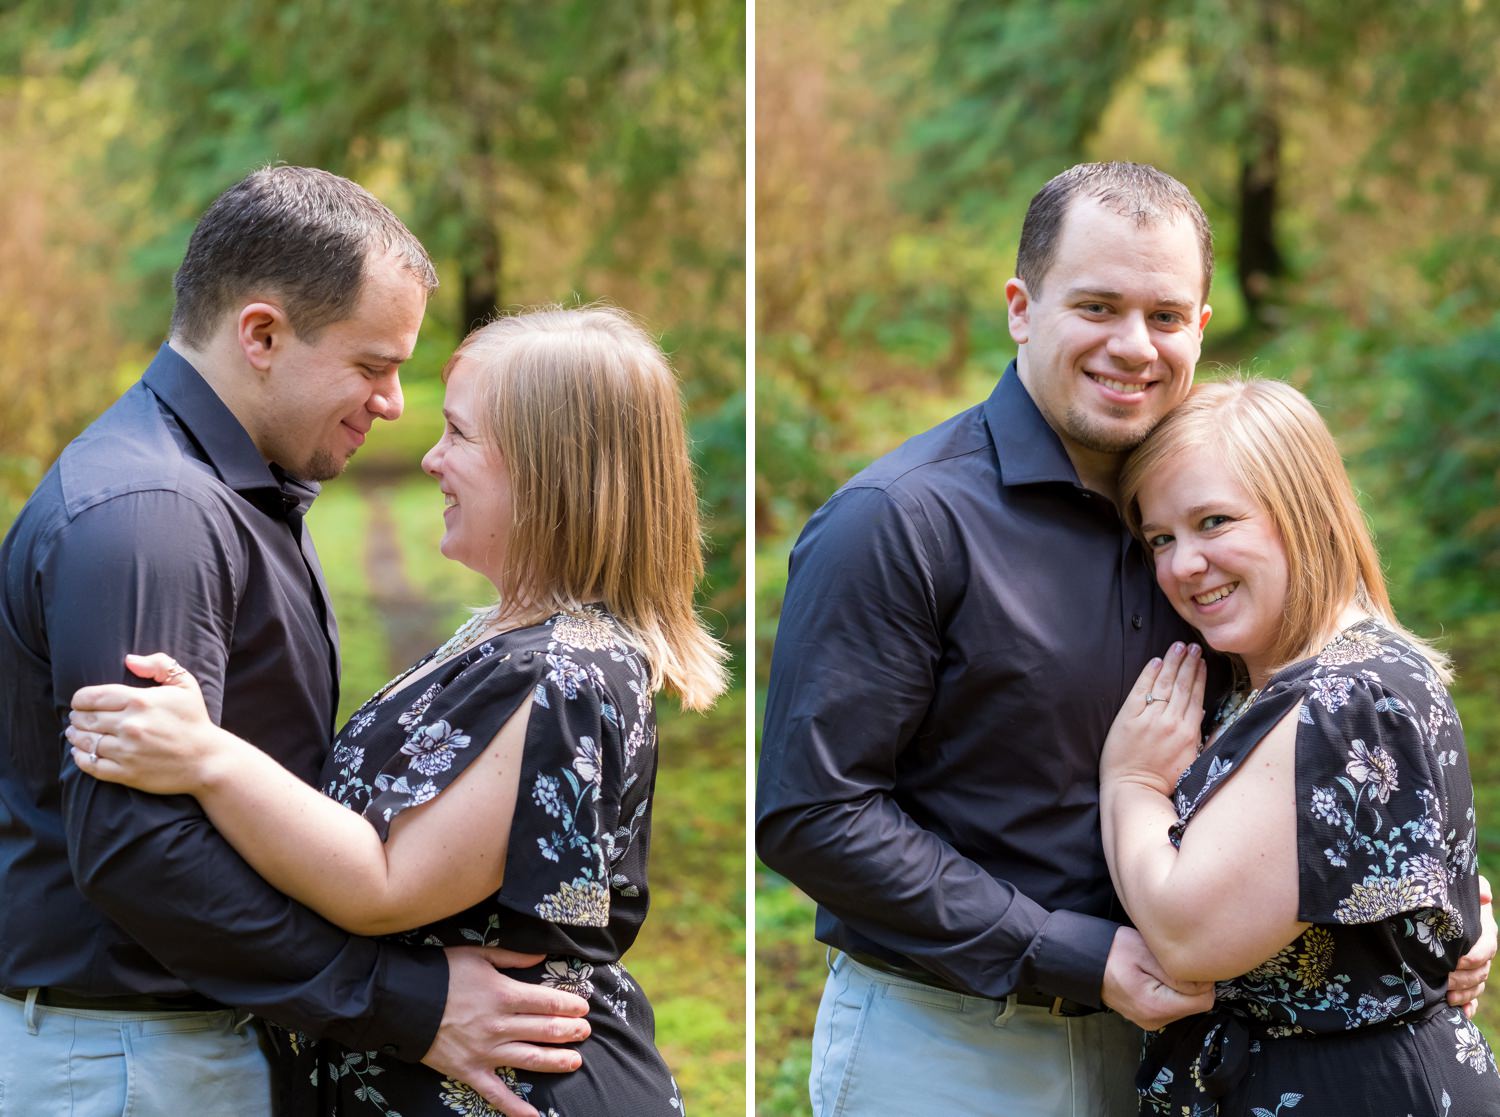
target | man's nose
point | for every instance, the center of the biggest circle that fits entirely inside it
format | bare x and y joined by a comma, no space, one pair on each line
386,400
1131,341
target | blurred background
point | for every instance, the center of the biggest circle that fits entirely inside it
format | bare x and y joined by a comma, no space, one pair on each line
564,151
1348,160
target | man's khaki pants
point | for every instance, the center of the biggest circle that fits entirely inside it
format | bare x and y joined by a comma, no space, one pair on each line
884,1045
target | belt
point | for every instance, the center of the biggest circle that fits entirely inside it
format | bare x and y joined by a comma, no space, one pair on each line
125,1002
1055,1006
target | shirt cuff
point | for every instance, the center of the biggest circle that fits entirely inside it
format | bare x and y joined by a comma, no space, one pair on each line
413,993
1069,954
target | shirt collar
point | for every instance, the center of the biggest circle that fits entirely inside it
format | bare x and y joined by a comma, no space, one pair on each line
1028,449
225,443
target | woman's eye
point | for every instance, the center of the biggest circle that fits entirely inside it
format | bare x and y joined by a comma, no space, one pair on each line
1210,522
1156,542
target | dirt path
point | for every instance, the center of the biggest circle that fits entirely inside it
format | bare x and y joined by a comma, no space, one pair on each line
410,621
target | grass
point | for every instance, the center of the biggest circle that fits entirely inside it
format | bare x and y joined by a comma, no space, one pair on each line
789,970
339,521
690,958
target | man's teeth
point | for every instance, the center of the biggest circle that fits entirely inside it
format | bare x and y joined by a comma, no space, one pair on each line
1216,595
1120,385
449,500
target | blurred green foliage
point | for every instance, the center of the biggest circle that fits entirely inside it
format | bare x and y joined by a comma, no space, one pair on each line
897,145
543,153
561,152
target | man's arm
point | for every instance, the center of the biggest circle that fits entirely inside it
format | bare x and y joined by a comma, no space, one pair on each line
117,582
155,569
857,655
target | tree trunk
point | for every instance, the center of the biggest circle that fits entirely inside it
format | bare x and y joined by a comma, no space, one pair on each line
481,276
1260,263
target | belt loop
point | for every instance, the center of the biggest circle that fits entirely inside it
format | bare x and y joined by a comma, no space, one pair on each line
1007,1012
29,1012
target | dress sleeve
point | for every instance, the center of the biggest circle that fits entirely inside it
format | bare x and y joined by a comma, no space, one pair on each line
568,808
1372,812
447,727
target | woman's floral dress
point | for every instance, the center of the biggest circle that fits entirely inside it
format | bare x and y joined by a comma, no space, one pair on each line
575,870
1351,1017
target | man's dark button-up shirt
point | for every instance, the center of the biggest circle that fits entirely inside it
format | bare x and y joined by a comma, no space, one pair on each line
161,528
962,623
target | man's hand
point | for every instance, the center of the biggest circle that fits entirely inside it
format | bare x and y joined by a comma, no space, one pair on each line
1466,983
496,1021
1138,988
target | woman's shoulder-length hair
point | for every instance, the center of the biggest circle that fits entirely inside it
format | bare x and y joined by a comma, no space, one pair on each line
586,413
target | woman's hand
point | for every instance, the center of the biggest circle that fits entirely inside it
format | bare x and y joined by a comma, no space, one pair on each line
1157,732
157,739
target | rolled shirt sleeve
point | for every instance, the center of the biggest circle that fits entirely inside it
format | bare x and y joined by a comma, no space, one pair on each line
156,571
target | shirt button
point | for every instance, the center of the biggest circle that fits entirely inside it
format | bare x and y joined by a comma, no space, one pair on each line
1136,622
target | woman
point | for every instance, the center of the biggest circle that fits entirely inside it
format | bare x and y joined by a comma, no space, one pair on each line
499,790
1321,865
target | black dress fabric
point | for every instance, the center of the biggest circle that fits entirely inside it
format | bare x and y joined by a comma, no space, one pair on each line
575,871
1350,1018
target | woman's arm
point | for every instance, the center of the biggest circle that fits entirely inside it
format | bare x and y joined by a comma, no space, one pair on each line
1227,900
440,857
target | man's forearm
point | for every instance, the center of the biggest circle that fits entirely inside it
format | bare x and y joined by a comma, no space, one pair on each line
902,886
158,869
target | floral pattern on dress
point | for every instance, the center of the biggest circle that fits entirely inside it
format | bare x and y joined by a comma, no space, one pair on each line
1387,879
574,885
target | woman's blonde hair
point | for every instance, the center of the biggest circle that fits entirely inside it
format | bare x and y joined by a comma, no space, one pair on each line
586,414
1276,445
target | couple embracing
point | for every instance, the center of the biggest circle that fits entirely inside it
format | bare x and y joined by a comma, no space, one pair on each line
179,858
986,754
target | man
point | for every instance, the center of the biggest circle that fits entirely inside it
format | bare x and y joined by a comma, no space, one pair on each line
175,522
962,622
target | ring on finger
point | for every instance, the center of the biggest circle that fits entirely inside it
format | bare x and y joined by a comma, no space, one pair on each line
175,672
1150,698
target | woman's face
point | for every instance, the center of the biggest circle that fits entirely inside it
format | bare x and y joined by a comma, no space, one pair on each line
474,481
1219,559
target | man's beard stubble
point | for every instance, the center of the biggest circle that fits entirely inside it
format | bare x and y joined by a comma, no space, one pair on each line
1082,429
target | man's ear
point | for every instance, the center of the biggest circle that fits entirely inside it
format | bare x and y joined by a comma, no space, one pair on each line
1018,307
1208,312
262,330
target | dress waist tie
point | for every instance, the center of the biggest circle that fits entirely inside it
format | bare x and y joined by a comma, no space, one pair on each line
1214,1048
